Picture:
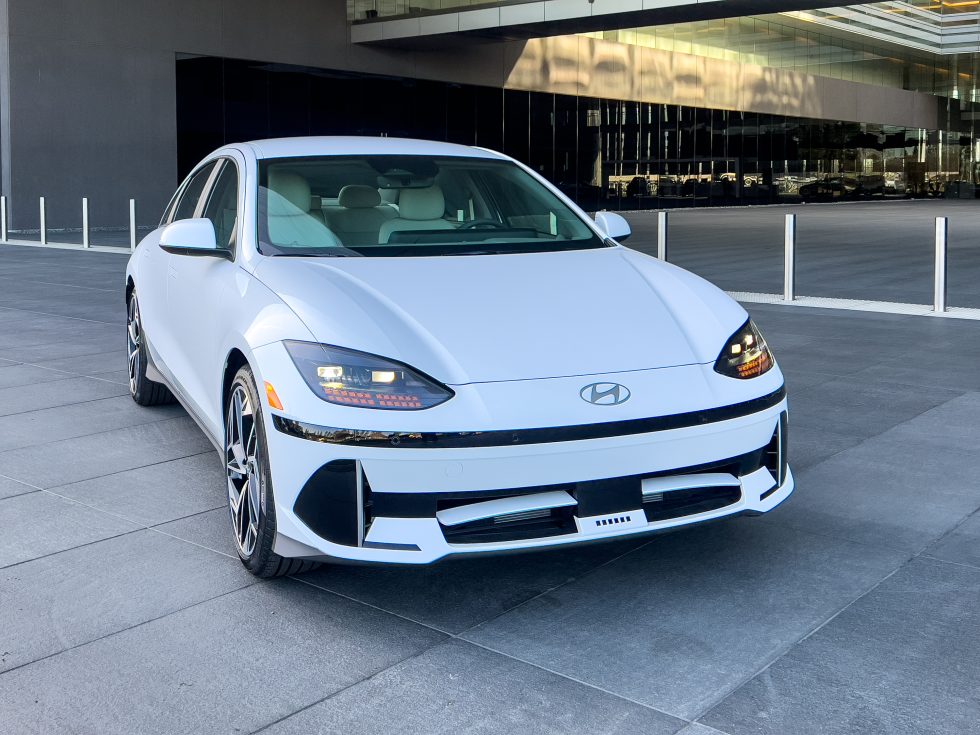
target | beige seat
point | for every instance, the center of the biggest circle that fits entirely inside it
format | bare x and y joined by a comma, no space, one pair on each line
359,215
291,224
418,209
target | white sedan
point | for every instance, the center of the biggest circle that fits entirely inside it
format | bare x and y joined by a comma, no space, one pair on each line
405,350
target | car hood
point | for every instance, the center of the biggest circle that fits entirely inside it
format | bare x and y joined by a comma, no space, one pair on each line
486,318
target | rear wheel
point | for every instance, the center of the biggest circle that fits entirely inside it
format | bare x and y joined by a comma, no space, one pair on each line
250,499
144,391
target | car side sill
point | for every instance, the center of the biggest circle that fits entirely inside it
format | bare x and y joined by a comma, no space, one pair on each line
153,373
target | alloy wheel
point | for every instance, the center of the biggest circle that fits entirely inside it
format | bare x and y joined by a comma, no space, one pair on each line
134,341
242,462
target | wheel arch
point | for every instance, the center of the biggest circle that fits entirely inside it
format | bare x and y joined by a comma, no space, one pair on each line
130,287
234,362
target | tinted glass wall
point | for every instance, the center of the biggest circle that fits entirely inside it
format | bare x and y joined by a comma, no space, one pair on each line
606,154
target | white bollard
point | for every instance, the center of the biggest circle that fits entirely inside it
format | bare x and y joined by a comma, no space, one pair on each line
662,235
44,221
789,259
85,241
132,224
3,218
942,236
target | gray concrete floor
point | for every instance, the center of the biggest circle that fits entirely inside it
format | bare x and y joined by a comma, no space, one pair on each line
881,251
854,608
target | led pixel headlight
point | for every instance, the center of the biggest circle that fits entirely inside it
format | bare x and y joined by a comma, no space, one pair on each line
351,378
745,355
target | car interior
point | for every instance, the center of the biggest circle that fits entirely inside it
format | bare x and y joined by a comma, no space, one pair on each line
378,201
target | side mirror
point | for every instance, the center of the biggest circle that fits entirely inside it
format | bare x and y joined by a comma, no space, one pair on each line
192,237
613,225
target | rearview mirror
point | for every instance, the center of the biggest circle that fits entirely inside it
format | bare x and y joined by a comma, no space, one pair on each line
192,237
613,225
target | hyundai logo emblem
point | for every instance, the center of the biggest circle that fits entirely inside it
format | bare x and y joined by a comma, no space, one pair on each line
605,394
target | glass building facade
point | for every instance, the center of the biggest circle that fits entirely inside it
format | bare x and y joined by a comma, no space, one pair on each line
605,153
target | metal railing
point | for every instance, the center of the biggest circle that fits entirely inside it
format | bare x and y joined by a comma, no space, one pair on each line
44,232
940,303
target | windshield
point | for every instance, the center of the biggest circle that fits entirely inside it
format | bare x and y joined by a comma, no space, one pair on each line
410,206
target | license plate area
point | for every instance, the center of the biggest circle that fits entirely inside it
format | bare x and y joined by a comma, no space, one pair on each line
604,497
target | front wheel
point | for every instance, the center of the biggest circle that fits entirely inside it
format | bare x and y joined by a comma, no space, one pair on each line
250,499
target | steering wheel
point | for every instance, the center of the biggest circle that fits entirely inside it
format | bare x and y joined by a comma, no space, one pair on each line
480,224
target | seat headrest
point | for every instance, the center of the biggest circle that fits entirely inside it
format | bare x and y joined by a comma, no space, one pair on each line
428,203
356,196
291,187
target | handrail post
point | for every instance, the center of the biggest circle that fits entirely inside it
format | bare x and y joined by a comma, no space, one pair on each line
85,240
789,259
132,224
942,236
3,218
44,221
662,235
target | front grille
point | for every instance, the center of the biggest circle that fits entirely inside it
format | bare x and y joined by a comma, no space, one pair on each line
679,503
513,527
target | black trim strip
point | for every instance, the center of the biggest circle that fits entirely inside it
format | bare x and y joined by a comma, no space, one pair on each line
517,437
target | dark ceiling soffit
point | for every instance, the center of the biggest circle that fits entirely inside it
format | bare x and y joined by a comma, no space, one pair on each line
607,22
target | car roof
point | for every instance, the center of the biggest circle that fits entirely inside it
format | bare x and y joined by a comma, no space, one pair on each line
362,145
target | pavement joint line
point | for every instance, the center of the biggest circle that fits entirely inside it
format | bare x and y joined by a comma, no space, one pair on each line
20,482
58,316
722,696
343,689
69,372
590,685
5,567
69,285
63,405
940,560
117,472
864,305
99,433
829,620
248,584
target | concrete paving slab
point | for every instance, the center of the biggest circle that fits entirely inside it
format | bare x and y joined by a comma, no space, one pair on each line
211,529
25,398
459,688
854,407
457,594
157,493
47,425
961,545
38,524
15,375
10,487
97,364
75,347
70,598
900,660
886,491
231,664
697,612
697,728
95,455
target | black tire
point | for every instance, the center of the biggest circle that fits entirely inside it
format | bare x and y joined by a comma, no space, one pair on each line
254,546
143,390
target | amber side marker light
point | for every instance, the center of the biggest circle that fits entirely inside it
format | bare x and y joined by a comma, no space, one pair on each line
270,393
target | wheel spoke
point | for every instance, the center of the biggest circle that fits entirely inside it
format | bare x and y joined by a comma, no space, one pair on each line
244,473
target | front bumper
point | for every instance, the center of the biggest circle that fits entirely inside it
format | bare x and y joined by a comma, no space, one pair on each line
414,505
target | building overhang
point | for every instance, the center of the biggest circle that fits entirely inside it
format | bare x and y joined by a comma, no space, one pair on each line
540,18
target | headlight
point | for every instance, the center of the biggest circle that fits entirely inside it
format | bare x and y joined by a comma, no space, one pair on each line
352,378
746,355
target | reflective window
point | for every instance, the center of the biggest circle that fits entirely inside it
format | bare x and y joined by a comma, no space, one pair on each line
411,206
222,206
191,195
